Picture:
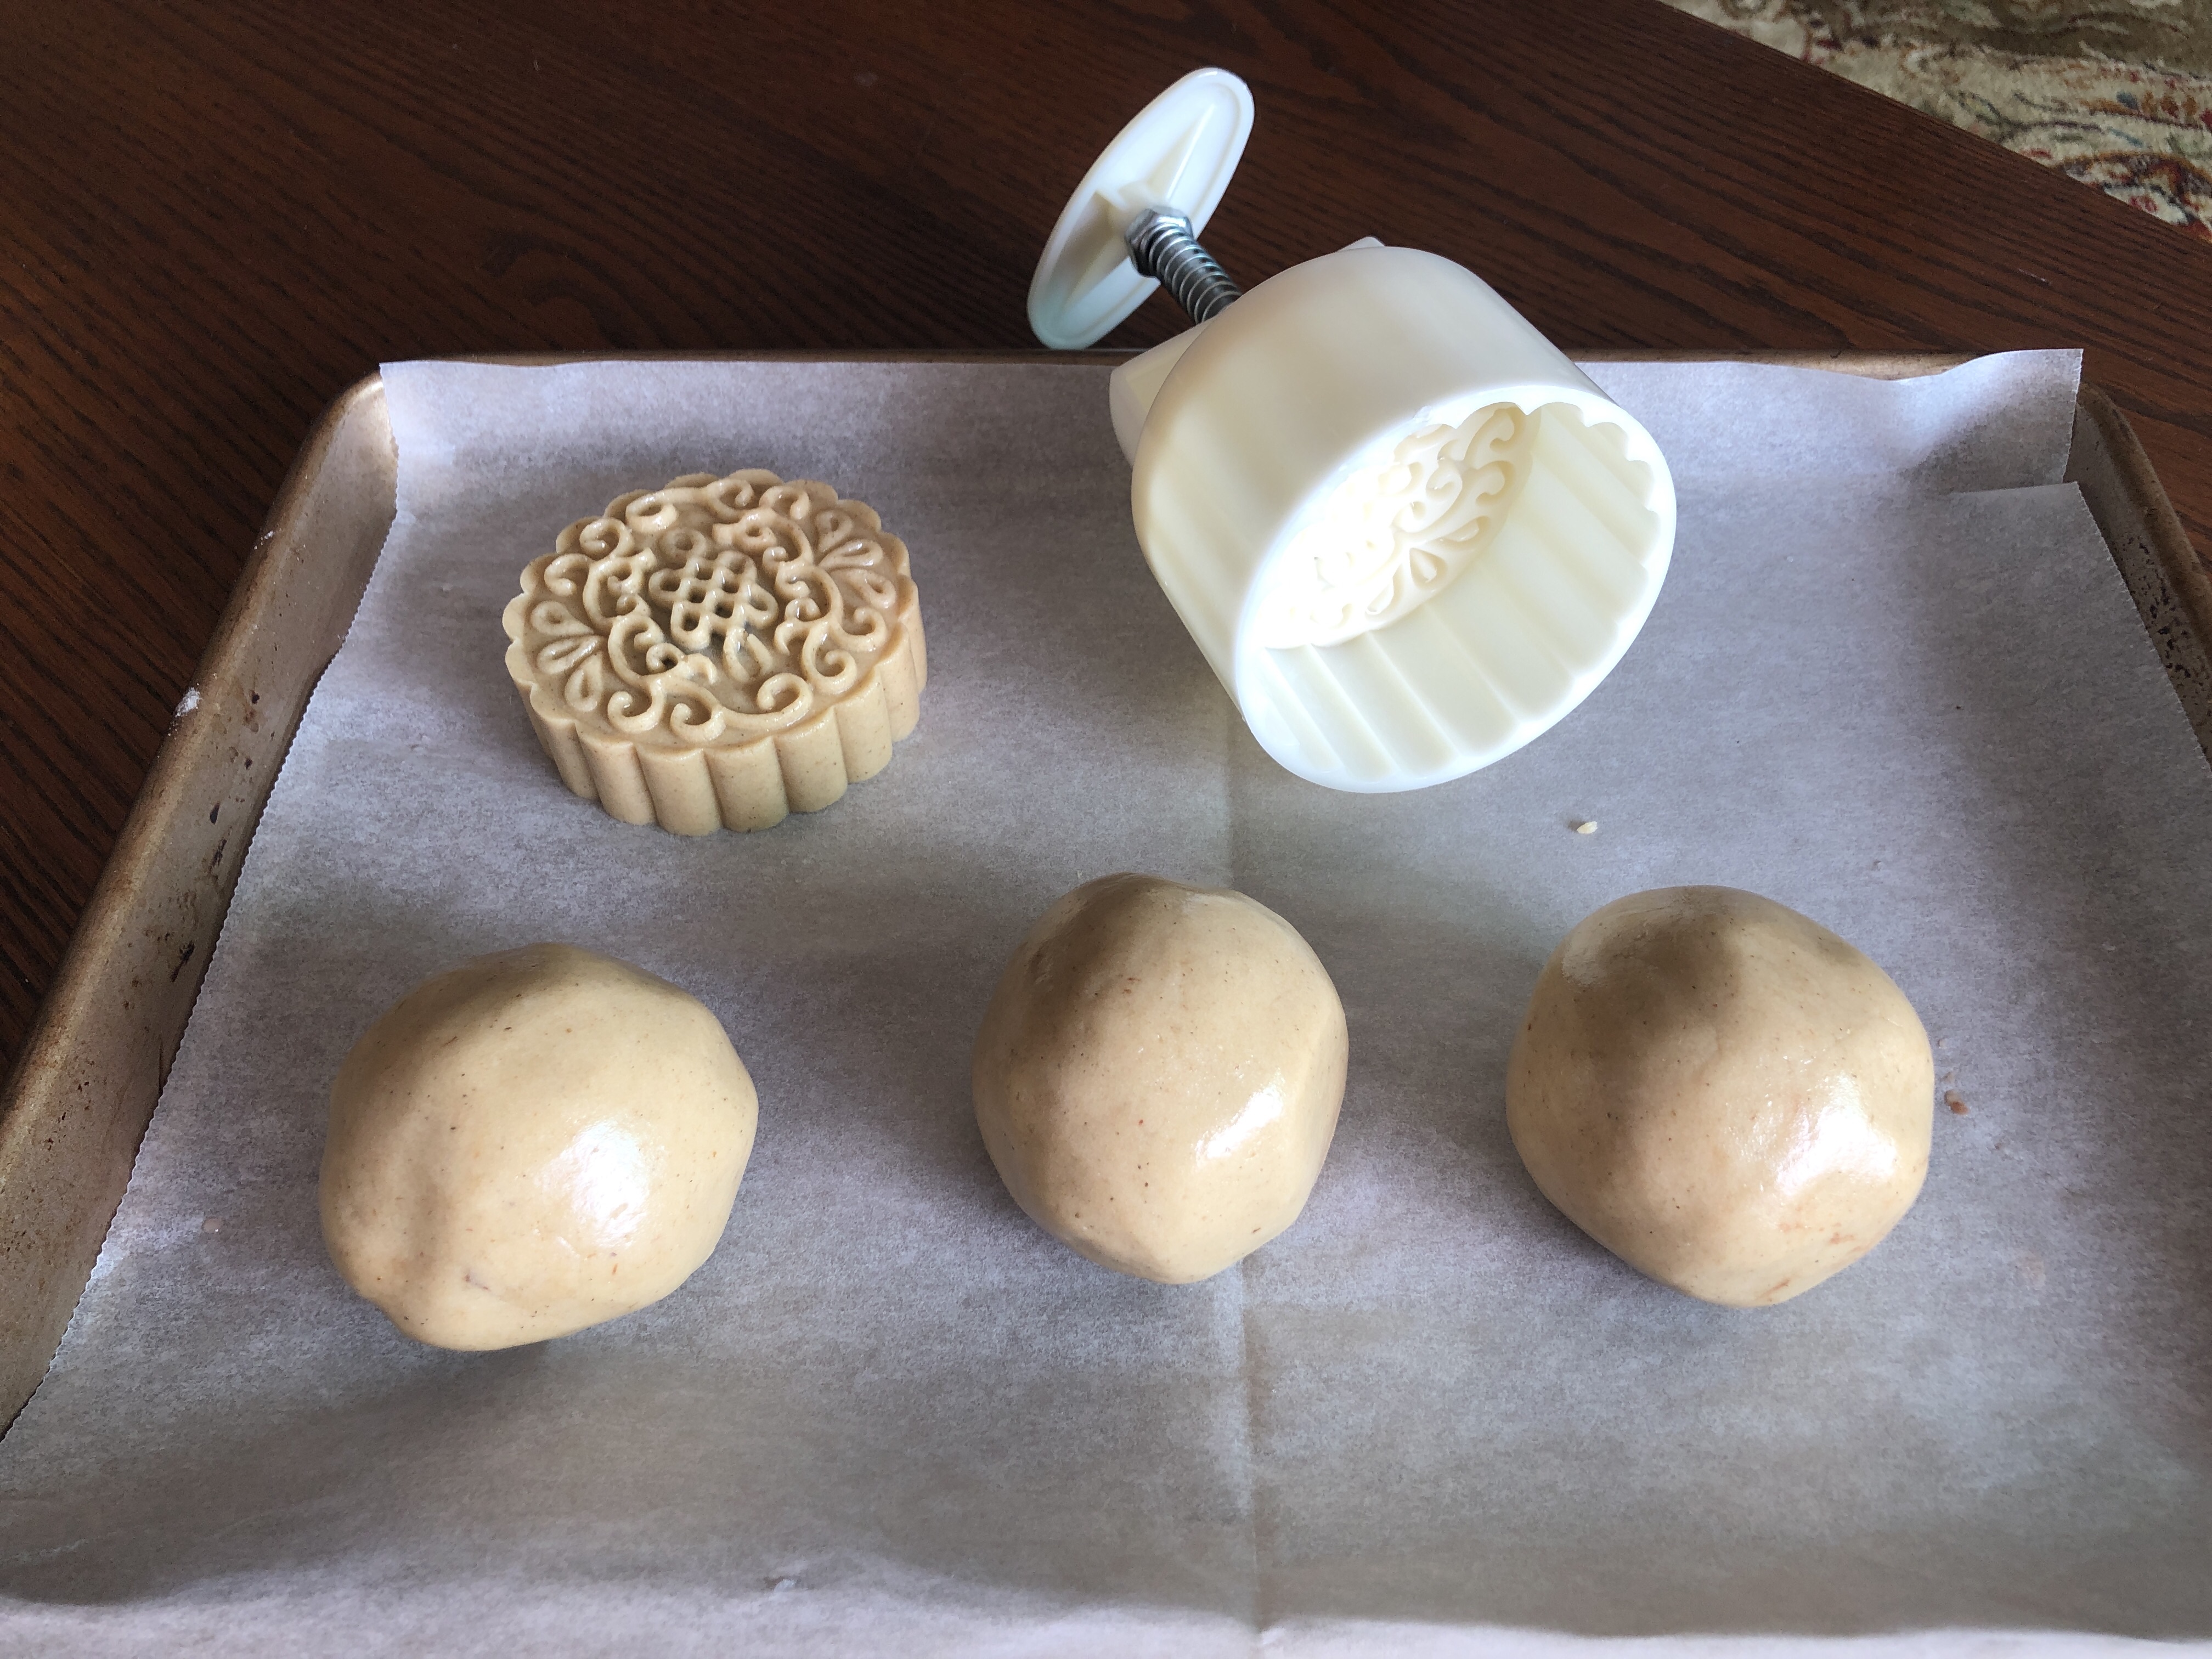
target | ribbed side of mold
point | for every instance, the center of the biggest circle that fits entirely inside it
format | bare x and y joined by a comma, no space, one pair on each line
744,786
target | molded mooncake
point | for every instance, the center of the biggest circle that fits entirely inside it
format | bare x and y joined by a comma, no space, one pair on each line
719,652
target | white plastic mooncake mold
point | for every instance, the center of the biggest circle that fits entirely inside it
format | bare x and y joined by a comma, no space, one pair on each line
719,652
1406,532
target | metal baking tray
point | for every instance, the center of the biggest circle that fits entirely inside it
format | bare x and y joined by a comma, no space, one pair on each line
73,1110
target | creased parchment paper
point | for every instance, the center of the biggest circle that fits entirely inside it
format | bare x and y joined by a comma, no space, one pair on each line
1893,681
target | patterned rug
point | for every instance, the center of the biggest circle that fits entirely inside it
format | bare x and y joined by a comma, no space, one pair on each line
2115,93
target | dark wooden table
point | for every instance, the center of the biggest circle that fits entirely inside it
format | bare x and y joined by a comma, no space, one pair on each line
216,217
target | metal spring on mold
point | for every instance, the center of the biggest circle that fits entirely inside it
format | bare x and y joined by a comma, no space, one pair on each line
1163,245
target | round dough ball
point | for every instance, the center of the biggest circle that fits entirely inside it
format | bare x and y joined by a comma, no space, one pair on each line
537,1142
1158,1074
1722,1092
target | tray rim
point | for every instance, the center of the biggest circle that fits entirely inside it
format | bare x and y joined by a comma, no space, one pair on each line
77,1102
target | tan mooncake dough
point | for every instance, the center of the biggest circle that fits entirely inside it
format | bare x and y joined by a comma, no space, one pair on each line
537,1142
1722,1092
1158,1074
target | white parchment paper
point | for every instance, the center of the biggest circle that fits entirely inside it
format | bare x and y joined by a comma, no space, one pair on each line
1893,681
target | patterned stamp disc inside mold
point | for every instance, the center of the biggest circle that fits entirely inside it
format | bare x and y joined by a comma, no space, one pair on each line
719,652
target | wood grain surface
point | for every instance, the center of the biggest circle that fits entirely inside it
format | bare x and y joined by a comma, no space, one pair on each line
216,217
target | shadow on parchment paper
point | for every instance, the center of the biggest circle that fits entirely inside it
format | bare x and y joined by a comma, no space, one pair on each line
1433,955
475,1464
2085,1166
831,1459
2027,1352
2114,974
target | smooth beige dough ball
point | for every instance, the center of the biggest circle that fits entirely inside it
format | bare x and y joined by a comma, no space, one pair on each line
1722,1092
1158,1074
535,1142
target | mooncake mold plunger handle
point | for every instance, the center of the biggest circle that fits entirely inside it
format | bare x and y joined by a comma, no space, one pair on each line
1175,158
